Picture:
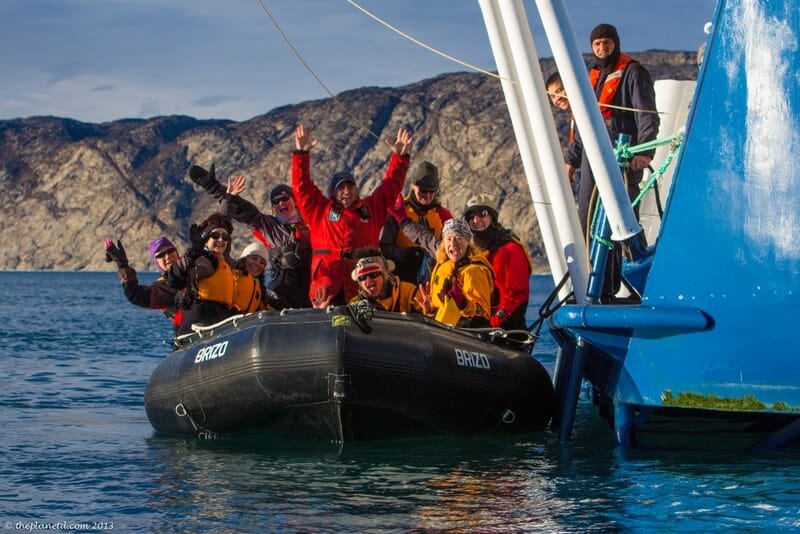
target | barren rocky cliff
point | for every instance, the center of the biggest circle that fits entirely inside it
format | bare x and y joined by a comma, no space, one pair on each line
66,185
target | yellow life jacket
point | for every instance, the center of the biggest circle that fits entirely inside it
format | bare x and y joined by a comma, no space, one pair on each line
401,299
219,286
247,294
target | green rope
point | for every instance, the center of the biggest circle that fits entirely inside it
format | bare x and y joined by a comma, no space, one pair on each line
624,153
593,228
656,175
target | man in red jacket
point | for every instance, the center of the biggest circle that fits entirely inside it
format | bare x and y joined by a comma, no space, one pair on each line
342,222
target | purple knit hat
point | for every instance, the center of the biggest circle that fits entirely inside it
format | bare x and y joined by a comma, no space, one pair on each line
153,247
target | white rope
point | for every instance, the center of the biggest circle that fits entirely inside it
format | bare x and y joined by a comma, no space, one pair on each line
428,47
314,74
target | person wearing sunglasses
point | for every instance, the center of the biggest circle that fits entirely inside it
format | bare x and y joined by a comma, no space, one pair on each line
379,285
206,273
156,296
284,233
460,290
422,206
510,260
343,221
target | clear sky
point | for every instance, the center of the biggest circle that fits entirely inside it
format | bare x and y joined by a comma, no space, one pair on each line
102,60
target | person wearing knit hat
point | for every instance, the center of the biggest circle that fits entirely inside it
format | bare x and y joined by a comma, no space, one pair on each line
510,260
249,289
605,53
280,192
422,206
378,284
459,227
460,288
342,221
256,258
255,249
479,204
284,231
626,97
156,296
162,253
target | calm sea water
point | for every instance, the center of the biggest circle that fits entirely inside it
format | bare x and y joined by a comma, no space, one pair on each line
79,454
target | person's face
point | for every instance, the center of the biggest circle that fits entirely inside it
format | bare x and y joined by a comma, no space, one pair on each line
284,206
372,283
346,194
424,196
603,47
557,95
217,241
455,246
479,220
166,256
255,265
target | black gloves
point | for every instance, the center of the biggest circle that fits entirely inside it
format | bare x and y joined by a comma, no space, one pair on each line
206,179
196,242
184,299
116,253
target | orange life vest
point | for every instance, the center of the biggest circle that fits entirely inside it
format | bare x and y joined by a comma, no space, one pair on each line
611,83
247,295
219,286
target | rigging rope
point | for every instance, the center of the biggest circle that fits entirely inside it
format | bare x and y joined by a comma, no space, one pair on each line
428,47
294,50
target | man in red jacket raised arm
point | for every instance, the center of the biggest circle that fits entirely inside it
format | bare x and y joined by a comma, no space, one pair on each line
342,221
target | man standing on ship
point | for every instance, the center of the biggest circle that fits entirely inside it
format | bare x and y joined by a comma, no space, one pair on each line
620,81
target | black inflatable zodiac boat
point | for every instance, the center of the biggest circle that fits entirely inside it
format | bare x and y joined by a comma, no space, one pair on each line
347,373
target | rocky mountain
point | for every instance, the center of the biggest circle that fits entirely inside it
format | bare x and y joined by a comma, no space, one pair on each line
66,185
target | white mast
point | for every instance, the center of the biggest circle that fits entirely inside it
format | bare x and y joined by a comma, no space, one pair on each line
596,143
529,108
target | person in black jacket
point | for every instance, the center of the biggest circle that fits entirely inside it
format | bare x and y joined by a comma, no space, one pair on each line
622,82
158,295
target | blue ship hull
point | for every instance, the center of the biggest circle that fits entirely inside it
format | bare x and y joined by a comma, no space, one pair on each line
713,339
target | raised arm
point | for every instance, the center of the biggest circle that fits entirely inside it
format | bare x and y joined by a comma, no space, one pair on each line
402,143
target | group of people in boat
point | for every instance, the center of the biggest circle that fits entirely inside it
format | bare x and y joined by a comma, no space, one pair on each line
401,253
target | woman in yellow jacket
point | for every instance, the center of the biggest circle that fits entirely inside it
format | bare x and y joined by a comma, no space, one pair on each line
460,290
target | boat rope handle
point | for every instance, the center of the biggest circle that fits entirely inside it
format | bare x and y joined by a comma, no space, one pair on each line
650,183
509,416
202,432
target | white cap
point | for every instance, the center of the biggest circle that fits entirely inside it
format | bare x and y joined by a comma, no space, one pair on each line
255,249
